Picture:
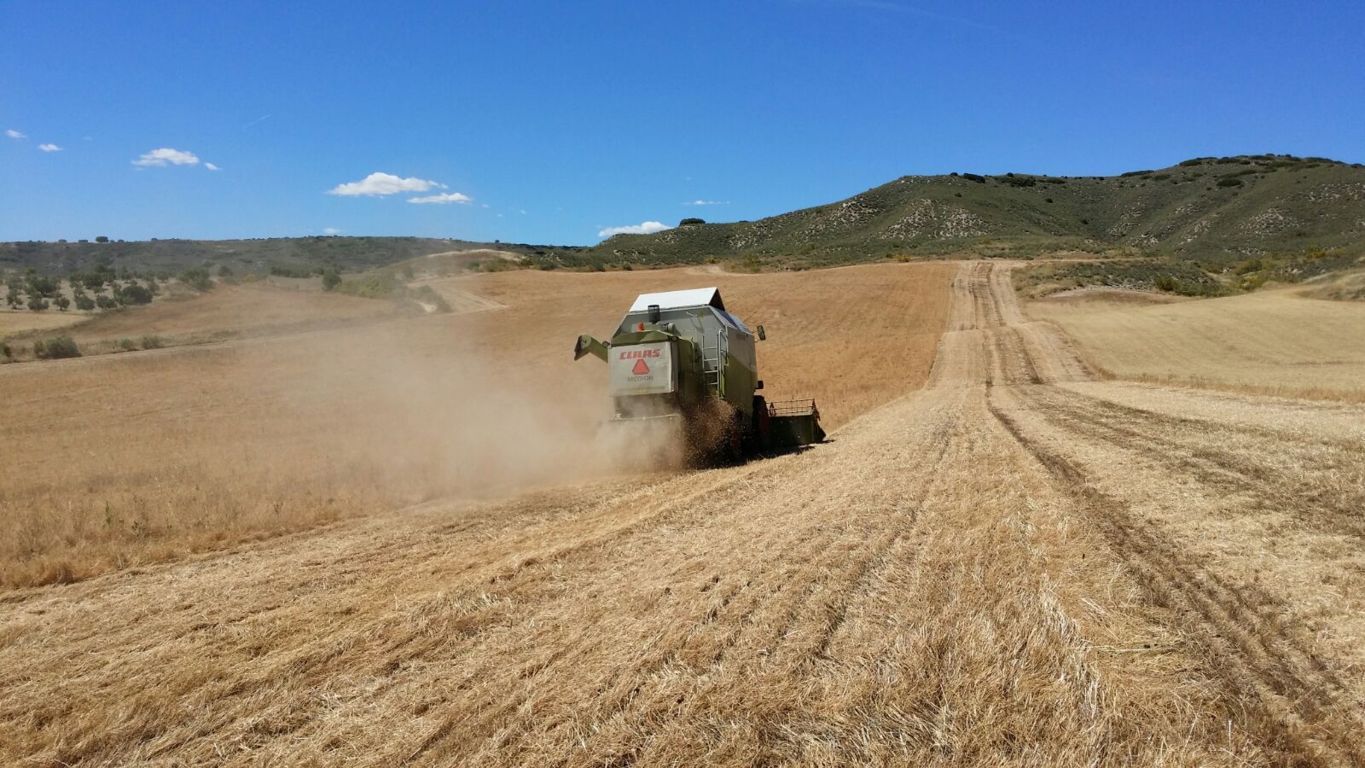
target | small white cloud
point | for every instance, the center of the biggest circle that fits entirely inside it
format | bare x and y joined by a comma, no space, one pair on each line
13,134
707,202
330,231
212,167
643,228
49,148
443,199
379,184
166,156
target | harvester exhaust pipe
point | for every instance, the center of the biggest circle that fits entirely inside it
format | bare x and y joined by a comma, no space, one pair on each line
654,313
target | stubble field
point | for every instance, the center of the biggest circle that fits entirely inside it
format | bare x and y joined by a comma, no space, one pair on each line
1274,342
1015,562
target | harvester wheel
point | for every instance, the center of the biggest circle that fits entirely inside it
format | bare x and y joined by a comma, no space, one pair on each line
758,433
735,440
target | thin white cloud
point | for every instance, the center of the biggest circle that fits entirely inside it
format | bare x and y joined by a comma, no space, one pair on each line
707,202
13,134
49,148
166,156
330,231
212,167
379,184
443,199
643,228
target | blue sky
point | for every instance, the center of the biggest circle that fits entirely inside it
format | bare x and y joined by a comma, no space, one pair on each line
550,122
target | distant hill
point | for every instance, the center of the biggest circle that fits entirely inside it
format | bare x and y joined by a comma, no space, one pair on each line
281,255
1212,210
1215,212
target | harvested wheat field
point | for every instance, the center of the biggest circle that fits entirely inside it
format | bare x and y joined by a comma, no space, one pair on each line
1277,342
1010,563
232,311
17,321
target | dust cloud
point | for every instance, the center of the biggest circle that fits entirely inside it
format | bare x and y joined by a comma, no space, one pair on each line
426,411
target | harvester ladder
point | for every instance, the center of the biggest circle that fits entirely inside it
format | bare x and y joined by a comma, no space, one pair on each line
713,361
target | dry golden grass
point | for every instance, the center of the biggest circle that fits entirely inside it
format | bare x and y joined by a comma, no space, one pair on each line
234,311
1348,286
227,312
1272,342
1012,566
136,458
22,321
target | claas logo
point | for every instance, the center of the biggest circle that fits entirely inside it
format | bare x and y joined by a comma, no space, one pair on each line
641,368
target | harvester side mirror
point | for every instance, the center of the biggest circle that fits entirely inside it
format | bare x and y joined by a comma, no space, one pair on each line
758,385
762,334
653,313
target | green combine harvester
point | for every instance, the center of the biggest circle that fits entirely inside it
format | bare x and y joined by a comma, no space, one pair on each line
679,358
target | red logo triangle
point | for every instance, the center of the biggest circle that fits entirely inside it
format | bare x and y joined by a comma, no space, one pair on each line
641,368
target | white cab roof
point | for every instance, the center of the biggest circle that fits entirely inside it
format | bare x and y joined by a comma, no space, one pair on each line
692,297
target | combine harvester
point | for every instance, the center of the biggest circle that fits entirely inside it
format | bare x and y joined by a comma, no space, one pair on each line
679,365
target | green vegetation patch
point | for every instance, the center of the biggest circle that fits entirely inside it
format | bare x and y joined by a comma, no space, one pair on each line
1152,274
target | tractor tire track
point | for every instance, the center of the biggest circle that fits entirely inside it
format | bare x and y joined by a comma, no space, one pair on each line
1208,455
1306,712
1299,703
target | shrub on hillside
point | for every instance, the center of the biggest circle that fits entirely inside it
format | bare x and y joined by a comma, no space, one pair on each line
380,285
37,304
1229,182
126,345
132,293
691,221
40,286
56,348
152,342
104,302
280,270
197,278
330,279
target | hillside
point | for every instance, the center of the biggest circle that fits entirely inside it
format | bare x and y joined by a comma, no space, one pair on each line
1212,210
286,255
1218,212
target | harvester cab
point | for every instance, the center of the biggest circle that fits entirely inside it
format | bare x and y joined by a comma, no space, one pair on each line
681,356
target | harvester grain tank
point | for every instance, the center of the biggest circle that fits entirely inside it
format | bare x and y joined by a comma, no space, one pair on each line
679,356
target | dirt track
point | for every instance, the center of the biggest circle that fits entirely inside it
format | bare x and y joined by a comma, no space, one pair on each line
1016,565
